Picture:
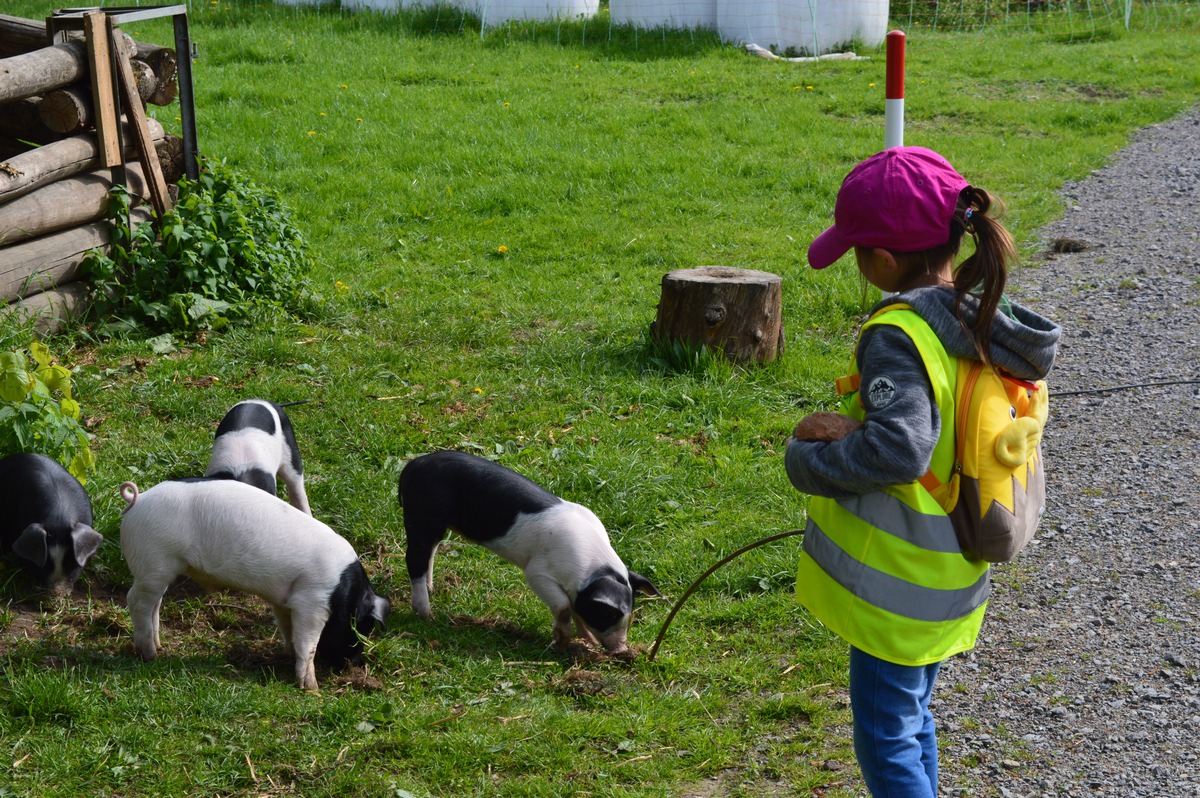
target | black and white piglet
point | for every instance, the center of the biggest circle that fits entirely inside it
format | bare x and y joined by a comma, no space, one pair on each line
45,519
226,534
254,444
562,546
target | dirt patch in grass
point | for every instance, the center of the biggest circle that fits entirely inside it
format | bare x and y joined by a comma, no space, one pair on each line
61,629
32,616
577,682
356,677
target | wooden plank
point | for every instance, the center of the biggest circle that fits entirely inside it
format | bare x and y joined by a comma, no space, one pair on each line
160,199
98,34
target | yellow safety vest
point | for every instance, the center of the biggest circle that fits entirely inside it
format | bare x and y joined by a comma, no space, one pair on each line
884,570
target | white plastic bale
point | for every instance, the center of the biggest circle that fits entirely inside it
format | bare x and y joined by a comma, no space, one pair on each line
680,14
814,27
495,12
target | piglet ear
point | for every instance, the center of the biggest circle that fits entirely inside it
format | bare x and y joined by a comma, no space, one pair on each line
86,541
642,585
31,545
380,607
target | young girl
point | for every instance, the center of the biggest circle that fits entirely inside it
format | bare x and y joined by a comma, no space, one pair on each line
881,566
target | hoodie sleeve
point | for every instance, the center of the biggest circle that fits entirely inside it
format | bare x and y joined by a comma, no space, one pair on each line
901,426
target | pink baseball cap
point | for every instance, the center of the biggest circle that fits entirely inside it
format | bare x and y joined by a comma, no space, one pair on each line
901,199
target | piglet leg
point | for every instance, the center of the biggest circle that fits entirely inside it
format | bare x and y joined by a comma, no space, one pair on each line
582,630
283,620
295,490
144,601
559,603
423,540
306,633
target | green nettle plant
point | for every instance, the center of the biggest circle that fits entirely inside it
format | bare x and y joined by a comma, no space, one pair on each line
38,413
226,249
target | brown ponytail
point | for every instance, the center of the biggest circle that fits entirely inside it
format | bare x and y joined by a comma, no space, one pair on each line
985,272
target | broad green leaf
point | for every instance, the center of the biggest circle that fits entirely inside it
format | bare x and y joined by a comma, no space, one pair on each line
56,378
81,464
15,381
40,352
70,408
162,344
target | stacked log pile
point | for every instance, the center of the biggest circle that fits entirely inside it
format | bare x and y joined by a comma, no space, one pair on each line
54,185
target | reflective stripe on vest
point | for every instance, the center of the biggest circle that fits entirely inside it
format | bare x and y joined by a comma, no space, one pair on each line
884,570
891,593
923,530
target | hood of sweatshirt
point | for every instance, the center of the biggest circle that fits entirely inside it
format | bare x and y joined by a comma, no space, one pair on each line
1024,344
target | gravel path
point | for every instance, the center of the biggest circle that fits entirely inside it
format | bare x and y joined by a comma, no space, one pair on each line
1086,681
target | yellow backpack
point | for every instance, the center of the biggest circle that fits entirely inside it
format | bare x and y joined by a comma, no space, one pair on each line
997,491
997,488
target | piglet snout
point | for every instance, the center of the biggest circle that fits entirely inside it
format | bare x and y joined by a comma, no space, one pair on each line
615,643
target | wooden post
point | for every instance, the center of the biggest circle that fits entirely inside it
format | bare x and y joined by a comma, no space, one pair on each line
160,200
737,311
96,28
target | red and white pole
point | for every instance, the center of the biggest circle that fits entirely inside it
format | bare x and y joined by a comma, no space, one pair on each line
893,104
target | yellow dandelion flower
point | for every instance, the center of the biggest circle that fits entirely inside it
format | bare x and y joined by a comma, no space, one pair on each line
343,86
312,132
808,87
502,249
506,105
322,113
359,119
872,85
477,390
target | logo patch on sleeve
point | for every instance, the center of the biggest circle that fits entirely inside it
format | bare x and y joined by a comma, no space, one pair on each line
881,392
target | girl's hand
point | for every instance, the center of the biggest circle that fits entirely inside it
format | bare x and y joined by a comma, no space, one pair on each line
826,427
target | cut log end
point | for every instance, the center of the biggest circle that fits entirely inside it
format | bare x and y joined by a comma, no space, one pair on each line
738,312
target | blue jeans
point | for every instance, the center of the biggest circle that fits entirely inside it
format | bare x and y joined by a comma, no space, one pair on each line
894,737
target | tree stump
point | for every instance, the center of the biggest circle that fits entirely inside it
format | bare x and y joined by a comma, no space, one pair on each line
736,311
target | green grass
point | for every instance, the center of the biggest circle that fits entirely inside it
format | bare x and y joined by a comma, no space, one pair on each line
410,154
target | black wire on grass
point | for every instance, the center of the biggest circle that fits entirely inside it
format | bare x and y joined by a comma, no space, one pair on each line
692,589
1124,387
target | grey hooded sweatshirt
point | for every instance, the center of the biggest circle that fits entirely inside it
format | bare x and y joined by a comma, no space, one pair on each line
902,424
